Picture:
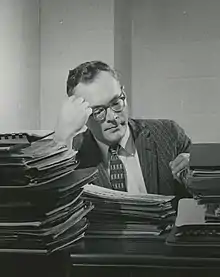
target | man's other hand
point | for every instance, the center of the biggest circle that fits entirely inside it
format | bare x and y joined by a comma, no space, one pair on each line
180,163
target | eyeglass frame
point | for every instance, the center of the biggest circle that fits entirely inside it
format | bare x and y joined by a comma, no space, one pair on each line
122,96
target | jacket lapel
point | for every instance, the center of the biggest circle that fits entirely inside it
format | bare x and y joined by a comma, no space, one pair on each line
147,156
90,156
103,178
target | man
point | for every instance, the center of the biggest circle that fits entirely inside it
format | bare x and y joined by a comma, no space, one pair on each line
137,156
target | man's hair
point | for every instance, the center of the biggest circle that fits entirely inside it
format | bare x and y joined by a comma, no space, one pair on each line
86,73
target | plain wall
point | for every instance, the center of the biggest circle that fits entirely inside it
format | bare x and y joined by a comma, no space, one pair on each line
168,54
176,64
19,65
71,32
122,44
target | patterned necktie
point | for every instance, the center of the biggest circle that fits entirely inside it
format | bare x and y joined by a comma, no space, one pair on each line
117,170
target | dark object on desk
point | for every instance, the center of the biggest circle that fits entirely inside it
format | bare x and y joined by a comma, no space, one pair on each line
10,142
204,175
41,209
205,156
196,225
13,141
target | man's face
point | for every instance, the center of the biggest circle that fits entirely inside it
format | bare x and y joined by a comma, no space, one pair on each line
102,92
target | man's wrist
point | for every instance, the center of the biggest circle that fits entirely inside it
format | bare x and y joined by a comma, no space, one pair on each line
62,140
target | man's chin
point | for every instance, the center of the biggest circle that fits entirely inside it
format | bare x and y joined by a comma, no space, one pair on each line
115,136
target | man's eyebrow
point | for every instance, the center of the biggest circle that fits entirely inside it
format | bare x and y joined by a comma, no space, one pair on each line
112,100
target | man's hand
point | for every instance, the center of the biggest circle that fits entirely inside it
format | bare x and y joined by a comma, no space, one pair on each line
180,163
72,118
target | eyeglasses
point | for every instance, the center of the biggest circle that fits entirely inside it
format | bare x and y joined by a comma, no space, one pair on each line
99,113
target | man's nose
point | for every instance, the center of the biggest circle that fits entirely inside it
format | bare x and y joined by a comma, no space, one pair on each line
111,115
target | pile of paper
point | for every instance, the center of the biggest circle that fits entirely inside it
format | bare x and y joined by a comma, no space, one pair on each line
119,214
41,209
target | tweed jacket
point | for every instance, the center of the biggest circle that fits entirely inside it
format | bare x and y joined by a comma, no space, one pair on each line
158,141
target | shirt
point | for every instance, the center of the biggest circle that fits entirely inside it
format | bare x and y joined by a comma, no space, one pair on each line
129,156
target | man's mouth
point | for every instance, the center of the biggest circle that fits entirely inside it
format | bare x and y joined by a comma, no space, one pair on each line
114,127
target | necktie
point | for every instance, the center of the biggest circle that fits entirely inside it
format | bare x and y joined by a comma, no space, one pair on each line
117,170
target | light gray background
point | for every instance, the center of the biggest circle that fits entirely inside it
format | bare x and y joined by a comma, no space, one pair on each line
167,51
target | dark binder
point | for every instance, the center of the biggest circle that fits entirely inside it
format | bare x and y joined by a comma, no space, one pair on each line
205,156
204,175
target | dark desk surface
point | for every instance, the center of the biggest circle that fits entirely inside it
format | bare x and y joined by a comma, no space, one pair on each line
151,253
115,257
34,265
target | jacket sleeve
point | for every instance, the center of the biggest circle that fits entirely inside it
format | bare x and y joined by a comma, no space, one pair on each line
183,142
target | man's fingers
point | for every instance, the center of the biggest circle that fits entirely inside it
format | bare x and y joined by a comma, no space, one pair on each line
87,108
85,104
180,163
175,163
79,100
72,98
89,111
179,159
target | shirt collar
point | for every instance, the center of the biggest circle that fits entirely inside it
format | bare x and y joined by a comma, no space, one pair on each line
127,144
124,141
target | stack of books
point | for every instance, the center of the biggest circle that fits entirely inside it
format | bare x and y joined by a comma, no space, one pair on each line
41,209
204,175
119,214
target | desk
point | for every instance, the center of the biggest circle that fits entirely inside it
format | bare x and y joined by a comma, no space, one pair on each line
136,257
114,257
34,265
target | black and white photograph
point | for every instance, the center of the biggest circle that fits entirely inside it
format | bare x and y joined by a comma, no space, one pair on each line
109,138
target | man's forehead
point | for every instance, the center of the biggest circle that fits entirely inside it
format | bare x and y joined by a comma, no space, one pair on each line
99,92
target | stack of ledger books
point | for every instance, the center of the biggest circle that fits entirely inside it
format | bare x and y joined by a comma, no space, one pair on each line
119,214
41,209
204,176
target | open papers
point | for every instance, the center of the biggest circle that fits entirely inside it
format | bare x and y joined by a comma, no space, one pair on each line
120,214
